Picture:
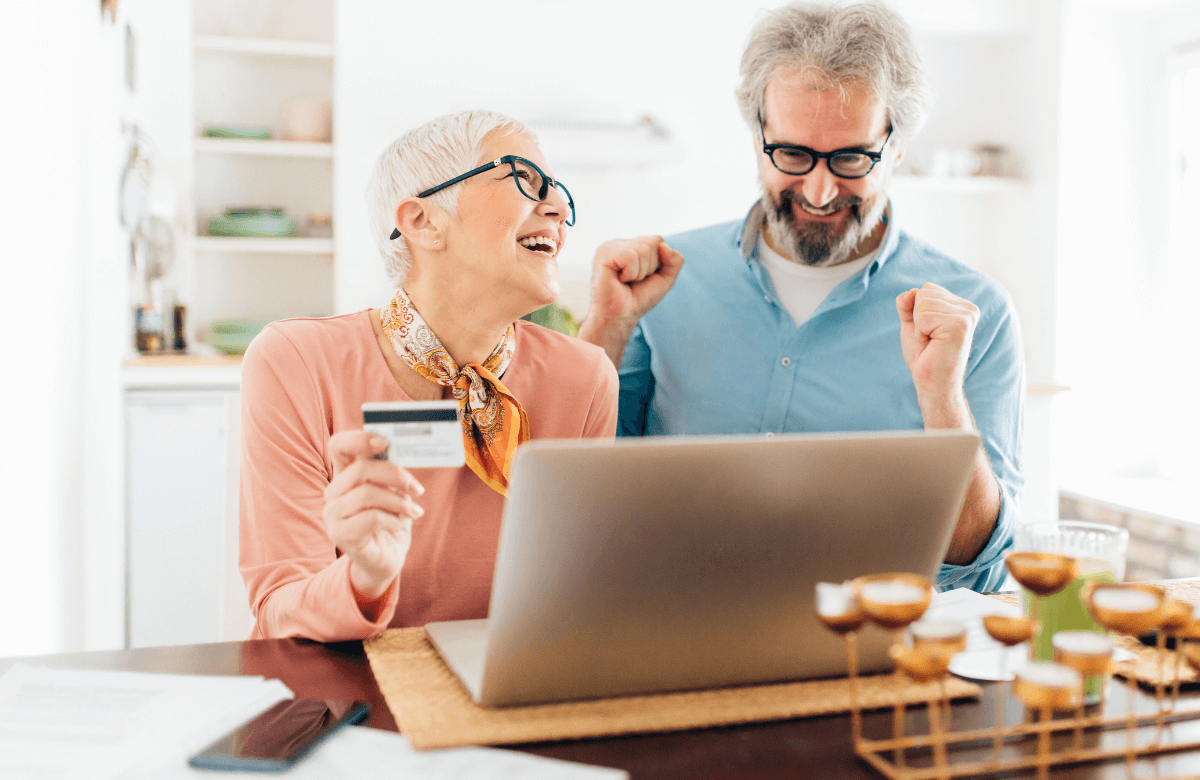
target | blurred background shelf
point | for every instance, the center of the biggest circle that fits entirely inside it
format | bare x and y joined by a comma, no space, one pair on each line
959,184
1043,388
264,148
263,47
305,246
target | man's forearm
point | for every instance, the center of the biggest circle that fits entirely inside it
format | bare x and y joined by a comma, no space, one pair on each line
981,509
611,337
979,514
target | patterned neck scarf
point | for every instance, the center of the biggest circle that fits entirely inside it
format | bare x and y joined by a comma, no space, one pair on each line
494,424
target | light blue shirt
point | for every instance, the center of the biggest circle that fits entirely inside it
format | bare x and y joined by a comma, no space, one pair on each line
721,355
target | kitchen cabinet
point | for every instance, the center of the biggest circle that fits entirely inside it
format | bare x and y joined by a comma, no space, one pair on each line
177,470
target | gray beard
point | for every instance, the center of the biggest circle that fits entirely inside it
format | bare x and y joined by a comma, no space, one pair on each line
821,244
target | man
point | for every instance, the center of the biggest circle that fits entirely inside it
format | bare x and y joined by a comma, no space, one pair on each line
817,312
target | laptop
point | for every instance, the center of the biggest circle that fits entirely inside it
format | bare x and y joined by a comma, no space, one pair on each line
675,563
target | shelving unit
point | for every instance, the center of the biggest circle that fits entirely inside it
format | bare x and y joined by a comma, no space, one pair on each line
248,62
959,184
322,151
264,47
286,246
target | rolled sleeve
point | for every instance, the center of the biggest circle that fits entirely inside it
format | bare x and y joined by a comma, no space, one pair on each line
637,386
986,572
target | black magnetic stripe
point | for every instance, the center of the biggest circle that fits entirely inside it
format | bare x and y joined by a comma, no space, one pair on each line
410,415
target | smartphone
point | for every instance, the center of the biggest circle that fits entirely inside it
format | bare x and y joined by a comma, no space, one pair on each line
279,737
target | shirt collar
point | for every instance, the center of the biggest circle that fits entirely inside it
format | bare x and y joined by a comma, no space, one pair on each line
753,225
750,230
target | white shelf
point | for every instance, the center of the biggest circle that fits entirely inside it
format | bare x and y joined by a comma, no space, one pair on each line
264,47
322,151
1044,388
277,246
958,184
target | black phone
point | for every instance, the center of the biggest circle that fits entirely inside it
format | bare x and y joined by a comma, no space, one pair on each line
279,737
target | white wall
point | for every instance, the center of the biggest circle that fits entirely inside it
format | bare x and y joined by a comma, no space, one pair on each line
1113,236
46,138
97,575
64,302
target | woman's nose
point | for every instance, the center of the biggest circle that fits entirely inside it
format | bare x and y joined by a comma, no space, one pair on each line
555,205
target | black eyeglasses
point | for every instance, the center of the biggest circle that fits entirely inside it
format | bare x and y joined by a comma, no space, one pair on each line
799,160
531,183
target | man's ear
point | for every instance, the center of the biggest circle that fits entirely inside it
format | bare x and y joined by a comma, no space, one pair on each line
420,224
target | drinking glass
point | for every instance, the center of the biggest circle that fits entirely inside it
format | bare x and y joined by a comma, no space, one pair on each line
1099,551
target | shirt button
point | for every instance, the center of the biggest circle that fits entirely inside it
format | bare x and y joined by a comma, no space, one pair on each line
786,361
767,298
769,434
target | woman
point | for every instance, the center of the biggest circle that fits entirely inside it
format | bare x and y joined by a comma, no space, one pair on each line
337,545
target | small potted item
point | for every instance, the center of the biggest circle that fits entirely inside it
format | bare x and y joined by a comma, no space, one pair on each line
308,119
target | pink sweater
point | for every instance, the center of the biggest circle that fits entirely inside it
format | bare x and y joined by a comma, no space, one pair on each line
306,379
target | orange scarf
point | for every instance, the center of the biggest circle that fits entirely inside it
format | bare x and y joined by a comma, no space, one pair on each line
494,424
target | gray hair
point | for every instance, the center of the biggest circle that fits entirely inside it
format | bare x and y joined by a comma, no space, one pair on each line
837,44
425,156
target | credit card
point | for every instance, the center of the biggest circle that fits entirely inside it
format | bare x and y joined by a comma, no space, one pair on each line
421,434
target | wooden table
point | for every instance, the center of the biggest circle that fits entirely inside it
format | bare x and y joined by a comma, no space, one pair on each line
808,748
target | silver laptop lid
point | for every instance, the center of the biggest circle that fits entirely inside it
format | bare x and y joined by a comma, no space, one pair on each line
672,563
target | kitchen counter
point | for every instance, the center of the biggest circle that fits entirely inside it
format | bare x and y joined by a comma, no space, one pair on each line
184,372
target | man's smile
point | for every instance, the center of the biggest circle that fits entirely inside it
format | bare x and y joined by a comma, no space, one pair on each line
827,211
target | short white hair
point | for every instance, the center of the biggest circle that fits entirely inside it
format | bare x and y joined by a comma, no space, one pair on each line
837,45
424,157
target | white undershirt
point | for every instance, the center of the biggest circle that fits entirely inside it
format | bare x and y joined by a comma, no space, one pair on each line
801,287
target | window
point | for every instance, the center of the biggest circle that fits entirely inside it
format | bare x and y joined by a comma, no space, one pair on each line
1179,447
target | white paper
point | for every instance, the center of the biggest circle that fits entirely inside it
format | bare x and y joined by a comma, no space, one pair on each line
357,752
58,724
364,752
968,607
984,658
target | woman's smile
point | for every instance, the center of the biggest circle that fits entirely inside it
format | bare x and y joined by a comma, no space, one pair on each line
540,244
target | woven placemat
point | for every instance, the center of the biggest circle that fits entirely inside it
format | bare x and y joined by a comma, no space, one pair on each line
1147,662
433,709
